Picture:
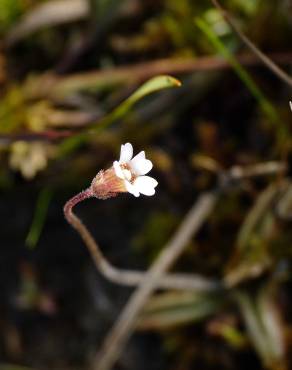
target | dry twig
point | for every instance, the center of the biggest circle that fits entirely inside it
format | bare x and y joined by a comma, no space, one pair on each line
125,325
54,86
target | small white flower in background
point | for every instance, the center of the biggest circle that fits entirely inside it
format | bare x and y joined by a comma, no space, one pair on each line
133,170
30,158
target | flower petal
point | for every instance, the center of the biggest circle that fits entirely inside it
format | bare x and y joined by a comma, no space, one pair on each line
140,165
145,185
118,170
139,156
132,189
126,153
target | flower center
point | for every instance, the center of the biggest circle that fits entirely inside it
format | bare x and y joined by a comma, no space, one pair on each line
129,176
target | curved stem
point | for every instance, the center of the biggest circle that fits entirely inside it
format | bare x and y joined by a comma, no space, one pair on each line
128,277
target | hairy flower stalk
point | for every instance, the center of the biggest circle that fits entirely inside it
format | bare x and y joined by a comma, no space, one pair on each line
126,175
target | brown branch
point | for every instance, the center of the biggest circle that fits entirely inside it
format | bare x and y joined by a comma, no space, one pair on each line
47,135
280,73
259,169
58,87
125,325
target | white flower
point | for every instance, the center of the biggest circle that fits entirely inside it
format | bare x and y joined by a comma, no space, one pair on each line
29,158
132,171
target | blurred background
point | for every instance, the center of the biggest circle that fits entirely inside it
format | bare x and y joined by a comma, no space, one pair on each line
65,67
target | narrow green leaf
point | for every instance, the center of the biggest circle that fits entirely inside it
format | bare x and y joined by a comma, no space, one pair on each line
154,84
242,73
39,217
176,308
262,319
149,87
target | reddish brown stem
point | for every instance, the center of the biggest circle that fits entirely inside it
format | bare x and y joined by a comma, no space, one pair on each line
72,203
179,281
